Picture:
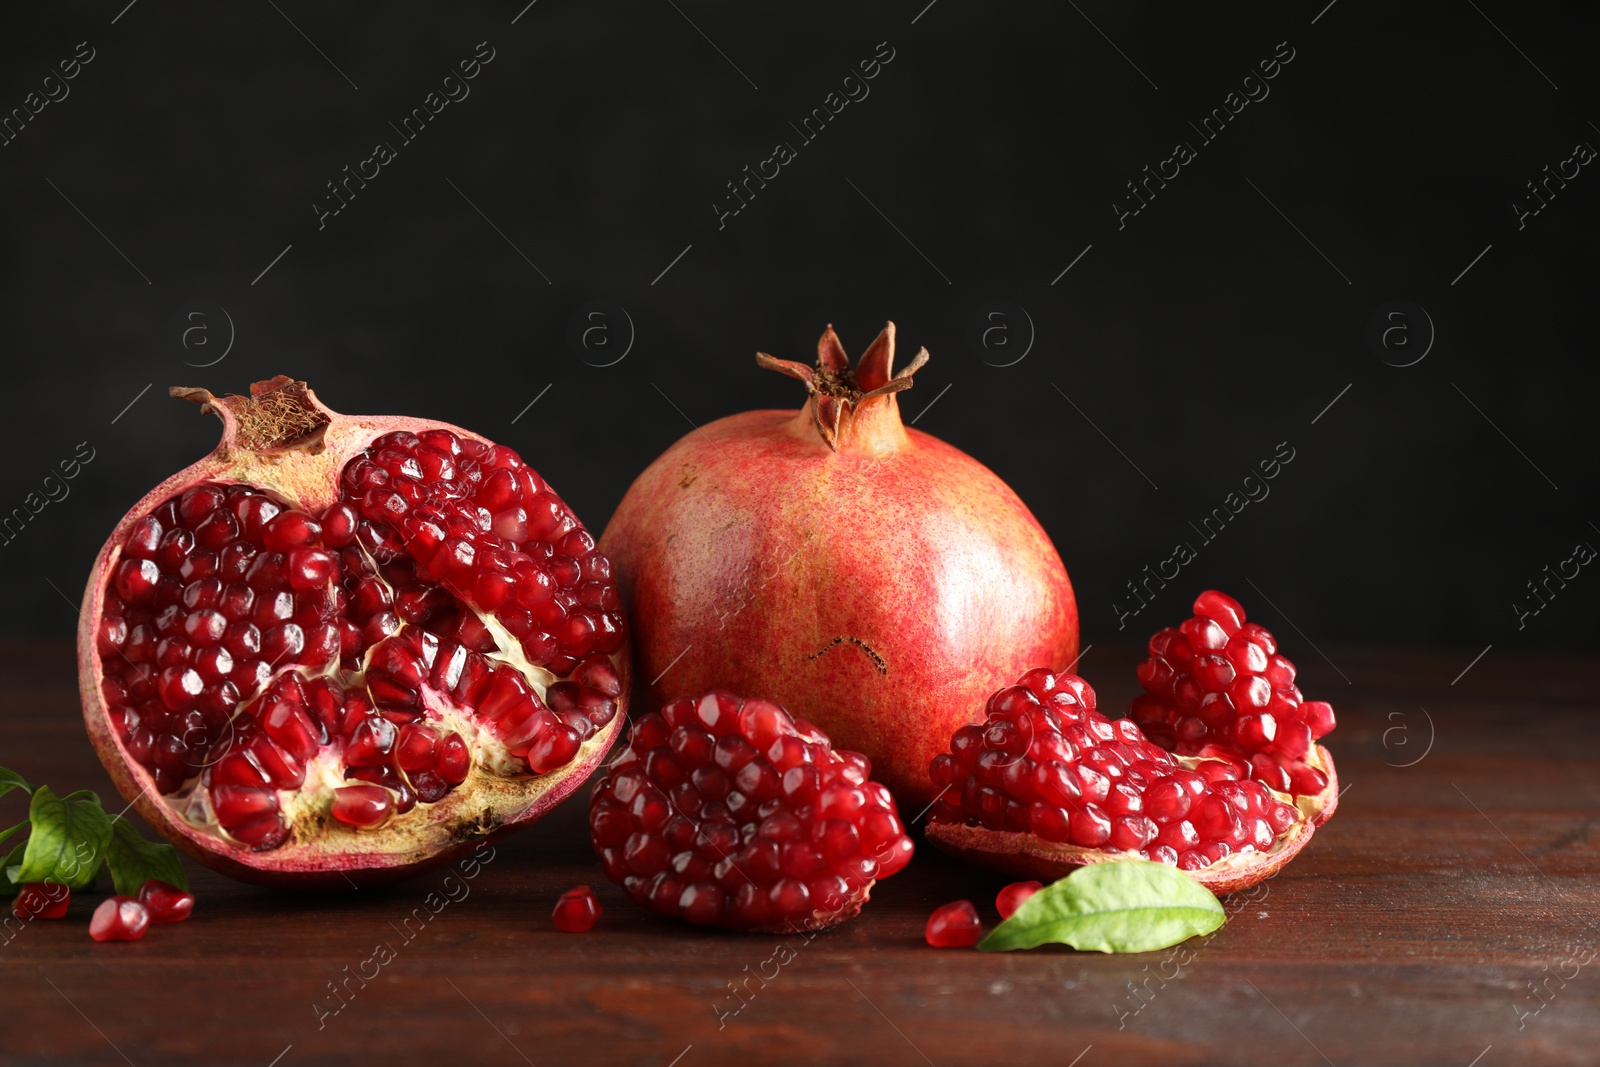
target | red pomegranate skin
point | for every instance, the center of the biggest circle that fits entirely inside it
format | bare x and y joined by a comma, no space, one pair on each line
881,589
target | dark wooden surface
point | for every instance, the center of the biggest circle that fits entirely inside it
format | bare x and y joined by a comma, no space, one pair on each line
1413,929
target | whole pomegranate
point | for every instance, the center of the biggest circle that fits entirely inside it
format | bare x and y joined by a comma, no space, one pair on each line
867,576
341,647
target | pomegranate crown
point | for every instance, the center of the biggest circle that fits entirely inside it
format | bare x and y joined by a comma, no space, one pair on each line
279,415
836,390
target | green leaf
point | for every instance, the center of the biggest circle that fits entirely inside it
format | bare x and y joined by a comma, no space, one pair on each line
133,860
1116,906
6,834
12,862
68,842
10,780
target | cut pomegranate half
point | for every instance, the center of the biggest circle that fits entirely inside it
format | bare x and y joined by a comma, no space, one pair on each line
340,647
1047,784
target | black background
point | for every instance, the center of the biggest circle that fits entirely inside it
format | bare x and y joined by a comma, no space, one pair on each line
1196,338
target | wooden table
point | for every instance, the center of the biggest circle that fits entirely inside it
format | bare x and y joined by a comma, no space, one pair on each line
1447,915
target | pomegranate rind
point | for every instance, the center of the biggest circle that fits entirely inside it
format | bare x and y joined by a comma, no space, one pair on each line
1028,856
322,854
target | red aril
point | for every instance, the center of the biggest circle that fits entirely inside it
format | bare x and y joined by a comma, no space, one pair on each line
166,903
342,647
1012,897
1218,685
730,812
1046,784
576,911
953,925
41,900
119,919
866,575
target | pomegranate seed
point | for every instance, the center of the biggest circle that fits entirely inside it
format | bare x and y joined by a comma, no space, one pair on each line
1012,897
166,903
415,749
136,580
283,770
290,529
241,804
1181,836
1307,781
362,806
576,911
308,568
1318,717
953,925
1255,731
1166,800
178,686
371,743
1293,740
454,761
41,900
119,919
1132,832
1221,609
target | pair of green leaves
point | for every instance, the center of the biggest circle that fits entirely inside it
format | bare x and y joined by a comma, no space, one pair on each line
1117,906
71,840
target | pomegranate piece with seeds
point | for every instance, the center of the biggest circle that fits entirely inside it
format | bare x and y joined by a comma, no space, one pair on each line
1046,784
41,900
342,647
953,925
1218,685
576,911
731,812
119,919
1012,897
166,903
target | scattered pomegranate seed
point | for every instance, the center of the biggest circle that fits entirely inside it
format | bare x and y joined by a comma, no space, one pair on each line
577,910
953,925
119,919
1009,899
731,812
166,903
1217,683
41,900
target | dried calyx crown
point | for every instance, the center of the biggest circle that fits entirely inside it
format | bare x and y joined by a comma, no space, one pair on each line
835,389
279,414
